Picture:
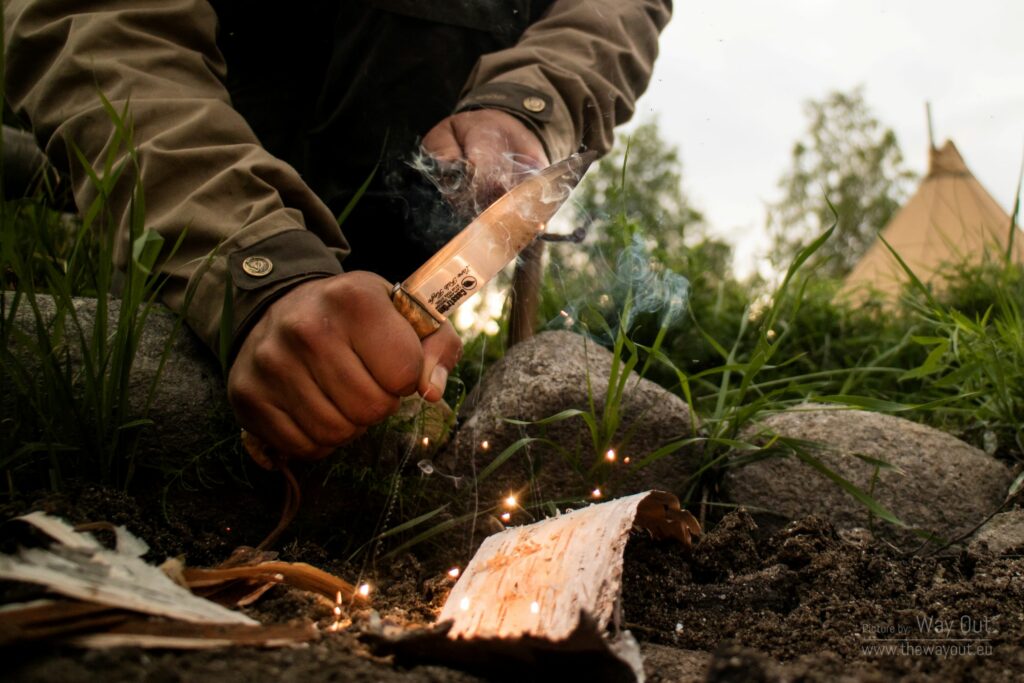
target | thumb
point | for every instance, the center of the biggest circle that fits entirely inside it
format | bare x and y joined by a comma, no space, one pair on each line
442,142
441,351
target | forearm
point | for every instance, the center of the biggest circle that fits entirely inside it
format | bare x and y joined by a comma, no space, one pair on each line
591,59
202,169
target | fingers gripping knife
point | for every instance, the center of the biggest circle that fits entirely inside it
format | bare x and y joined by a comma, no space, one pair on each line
461,268
472,258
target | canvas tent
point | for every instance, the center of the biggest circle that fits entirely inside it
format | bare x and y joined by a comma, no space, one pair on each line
951,218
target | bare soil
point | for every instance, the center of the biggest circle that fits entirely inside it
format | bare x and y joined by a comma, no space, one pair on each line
746,604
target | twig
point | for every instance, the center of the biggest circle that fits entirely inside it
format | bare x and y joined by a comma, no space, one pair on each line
290,507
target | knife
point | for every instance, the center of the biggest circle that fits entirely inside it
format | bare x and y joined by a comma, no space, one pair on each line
466,263
483,248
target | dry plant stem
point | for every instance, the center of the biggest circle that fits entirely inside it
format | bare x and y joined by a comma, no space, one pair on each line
179,635
290,507
966,534
57,618
269,459
297,574
525,293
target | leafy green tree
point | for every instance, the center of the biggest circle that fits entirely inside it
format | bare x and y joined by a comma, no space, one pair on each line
849,159
633,203
640,180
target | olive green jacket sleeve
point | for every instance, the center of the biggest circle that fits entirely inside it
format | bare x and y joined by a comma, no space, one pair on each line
576,73
202,167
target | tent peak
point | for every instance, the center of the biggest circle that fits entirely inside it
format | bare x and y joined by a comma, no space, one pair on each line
946,160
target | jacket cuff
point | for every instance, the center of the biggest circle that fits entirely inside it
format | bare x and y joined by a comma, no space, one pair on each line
235,284
545,115
527,103
264,271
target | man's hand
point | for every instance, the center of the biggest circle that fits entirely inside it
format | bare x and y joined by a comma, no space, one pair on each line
330,358
498,147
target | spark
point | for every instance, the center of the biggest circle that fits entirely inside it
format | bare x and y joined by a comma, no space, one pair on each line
535,607
337,612
464,604
770,334
563,314
364,590
510,501
485,445
506,516
454,572
596,493
610,455
426,441
626,460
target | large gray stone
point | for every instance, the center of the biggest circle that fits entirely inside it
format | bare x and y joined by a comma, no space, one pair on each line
545,376
1003,534
188,407
940,484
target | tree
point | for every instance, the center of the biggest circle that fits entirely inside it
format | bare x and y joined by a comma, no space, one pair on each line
642,234
641,180
849,159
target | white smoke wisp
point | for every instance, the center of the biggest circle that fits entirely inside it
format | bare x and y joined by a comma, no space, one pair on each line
468,188
653,287
638,284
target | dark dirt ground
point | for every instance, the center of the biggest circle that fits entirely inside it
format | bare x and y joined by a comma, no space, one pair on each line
798,604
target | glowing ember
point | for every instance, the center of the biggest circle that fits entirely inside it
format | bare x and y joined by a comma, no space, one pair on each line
337,612
596,493
505,516
426,441
626,460
485,445
453,572
364,590
510,501
464,604
535,607
610,455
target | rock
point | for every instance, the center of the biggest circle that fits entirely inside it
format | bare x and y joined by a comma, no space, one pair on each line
1001,535
940,483
188,407
544,376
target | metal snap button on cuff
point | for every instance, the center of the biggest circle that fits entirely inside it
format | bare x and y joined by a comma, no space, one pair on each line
534,104
257,266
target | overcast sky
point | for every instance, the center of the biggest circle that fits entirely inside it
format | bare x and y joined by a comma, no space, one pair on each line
729,85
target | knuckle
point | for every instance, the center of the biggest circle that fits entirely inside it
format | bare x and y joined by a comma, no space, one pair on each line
302,332
331,431
403,378
372,412
266,359
306,451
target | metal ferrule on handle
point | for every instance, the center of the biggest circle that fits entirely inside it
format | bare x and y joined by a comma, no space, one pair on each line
416,313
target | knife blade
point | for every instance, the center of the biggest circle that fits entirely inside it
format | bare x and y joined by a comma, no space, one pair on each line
484,247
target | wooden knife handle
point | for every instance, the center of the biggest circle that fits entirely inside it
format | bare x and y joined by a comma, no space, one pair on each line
421,321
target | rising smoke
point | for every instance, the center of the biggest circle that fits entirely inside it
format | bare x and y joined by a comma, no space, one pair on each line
638,286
